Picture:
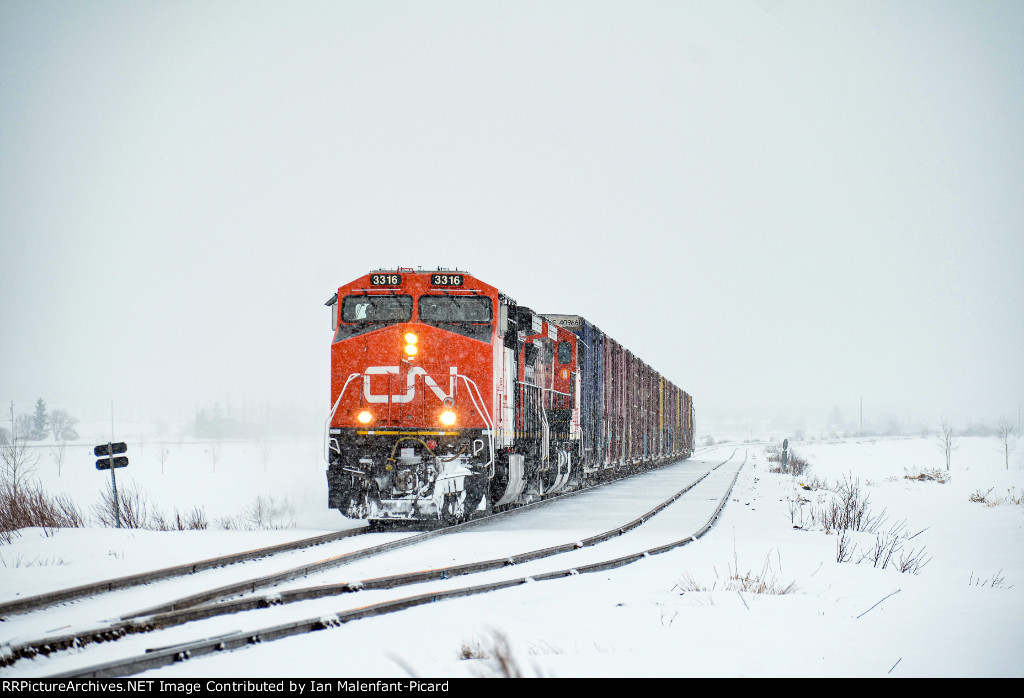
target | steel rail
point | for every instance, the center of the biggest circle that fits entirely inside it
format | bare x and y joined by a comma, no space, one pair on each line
252,585
33,603
180,652
164,620
398,580
41,601
160,619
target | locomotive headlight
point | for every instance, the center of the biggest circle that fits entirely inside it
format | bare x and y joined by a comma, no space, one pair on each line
410,349
364,417
411,338
448,418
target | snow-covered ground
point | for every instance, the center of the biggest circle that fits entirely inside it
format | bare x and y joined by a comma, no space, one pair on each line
675,614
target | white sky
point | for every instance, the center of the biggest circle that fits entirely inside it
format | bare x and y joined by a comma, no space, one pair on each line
779,205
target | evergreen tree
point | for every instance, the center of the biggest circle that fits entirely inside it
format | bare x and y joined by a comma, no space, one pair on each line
40,421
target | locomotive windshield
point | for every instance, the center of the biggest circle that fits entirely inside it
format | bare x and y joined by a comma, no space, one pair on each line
376,309
371,313
467,315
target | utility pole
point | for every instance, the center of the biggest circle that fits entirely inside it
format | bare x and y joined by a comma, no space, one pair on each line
861,414
113,480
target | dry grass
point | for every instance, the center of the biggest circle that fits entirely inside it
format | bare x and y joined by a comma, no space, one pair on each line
888,550
927,475
996,581
843,508
264,513
21,560
796,464
500,661
194,520
765,582
1012,498
132,509
30,506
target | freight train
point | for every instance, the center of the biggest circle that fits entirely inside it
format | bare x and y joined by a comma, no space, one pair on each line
449,400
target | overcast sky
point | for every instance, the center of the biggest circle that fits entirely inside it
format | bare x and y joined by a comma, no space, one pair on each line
779,205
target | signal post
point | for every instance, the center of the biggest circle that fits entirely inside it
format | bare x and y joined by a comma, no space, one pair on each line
111,463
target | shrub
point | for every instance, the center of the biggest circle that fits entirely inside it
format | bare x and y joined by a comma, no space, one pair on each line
194,520
136,511
1011,498
848,510
264,513
30,506
796,464
888,550
977,496
132,507
927,474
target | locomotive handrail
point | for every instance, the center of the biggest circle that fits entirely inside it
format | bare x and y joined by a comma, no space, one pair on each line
543,414
330,418
542,388
482,410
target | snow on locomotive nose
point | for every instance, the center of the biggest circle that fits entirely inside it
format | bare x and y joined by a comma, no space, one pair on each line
450,400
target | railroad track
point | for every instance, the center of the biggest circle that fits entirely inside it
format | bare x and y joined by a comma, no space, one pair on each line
42,601
138,621
217,641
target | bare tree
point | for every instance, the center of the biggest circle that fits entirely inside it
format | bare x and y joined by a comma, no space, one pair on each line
23,425
17,463
947,439
263,447
62,425
1006,431
162,455
57,451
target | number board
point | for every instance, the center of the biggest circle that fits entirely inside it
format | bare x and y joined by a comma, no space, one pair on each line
385,279
446,279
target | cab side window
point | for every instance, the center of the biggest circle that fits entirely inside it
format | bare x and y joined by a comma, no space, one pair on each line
565,352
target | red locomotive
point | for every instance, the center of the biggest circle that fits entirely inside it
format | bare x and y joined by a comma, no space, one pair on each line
449,399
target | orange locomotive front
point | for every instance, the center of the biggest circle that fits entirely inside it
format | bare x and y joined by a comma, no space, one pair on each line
411,433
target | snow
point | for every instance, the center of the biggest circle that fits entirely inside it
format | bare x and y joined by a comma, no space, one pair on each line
670,614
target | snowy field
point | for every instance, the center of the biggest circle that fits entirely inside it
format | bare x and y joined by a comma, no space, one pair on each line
711,608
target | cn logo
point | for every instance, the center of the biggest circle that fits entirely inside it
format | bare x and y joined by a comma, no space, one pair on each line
410,389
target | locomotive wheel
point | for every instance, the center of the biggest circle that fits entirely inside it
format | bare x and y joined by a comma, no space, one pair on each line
453,509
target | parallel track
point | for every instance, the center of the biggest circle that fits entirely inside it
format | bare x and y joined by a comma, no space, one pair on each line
41,601
60,596
175,611
180,651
